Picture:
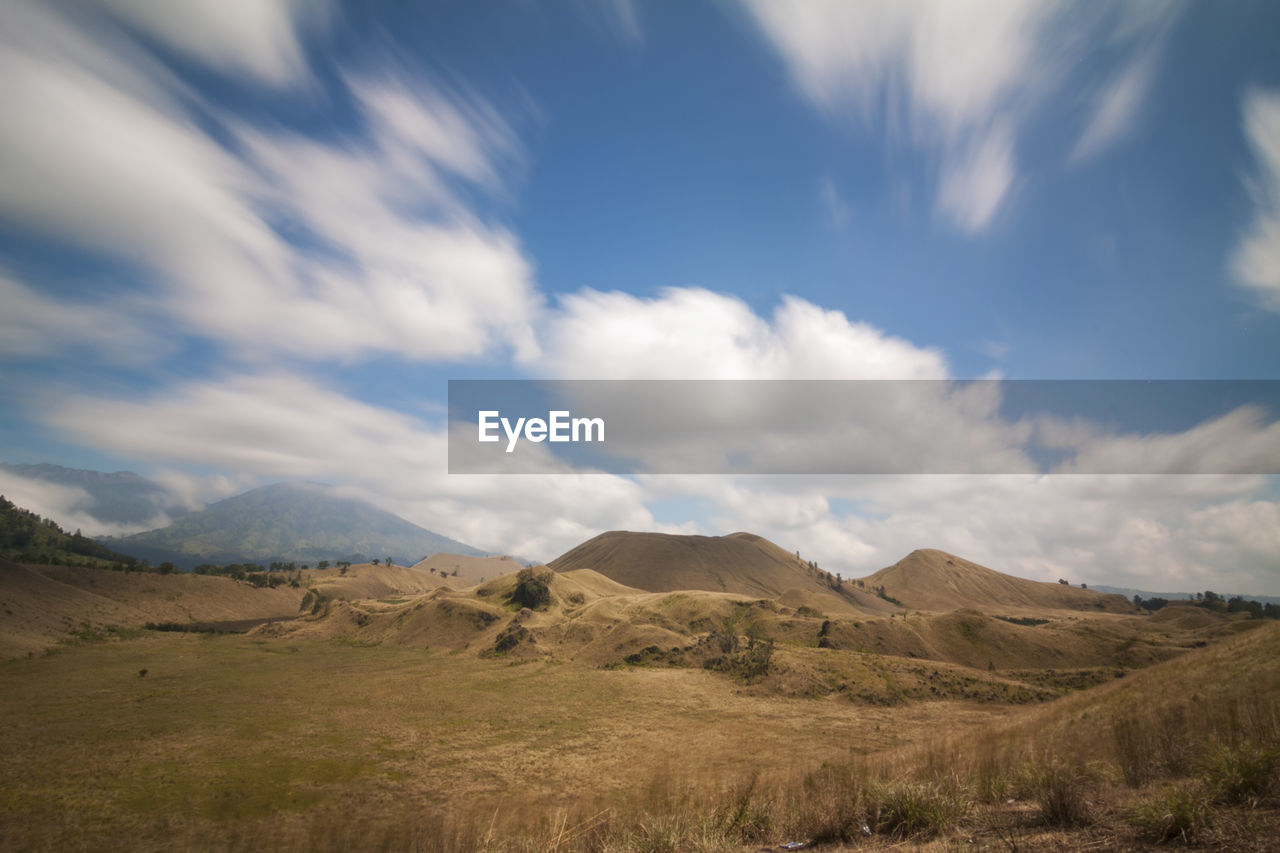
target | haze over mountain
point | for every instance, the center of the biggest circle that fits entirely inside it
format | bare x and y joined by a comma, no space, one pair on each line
300,522
122,497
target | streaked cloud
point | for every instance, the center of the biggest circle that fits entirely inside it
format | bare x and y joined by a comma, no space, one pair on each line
1256,259
259,39
36,325
1116,107
367,244
959,80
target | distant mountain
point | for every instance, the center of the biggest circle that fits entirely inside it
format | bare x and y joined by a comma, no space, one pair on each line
27,538
928,579
300,522
119,498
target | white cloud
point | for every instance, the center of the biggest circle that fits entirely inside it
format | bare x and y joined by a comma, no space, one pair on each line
1256,260
264,428
34,325
69,506
1160,533
1116,108
834,205
1155,532
100,149
689,333
964,78
1239,442
975,182
258,38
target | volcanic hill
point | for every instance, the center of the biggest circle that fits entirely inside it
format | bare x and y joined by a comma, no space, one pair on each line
928,579
740,563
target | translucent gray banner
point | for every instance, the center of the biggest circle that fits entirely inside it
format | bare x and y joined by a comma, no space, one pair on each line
864,427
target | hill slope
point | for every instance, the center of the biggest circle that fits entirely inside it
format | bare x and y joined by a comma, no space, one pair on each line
26,537
302,522
464,570
41,606
740,563
935,580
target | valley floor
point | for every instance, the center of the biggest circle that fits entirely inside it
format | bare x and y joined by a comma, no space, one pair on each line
257,734
184,741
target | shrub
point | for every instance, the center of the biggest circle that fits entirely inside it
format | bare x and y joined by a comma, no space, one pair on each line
1060,791
1178,812
532,590
1242,774
315,602
510,637
905,808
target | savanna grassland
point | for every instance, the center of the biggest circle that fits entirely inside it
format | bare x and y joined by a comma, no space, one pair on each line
566,711
231,739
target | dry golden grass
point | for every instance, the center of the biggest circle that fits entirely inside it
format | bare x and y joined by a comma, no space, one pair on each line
41,606
398,725
740,563
929,579
470,570
263,740
255,743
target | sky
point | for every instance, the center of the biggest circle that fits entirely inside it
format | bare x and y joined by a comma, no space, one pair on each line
241,243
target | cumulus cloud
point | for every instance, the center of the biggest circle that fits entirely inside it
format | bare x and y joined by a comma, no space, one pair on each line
1160,533
690,333
1256,260
963,78
366,244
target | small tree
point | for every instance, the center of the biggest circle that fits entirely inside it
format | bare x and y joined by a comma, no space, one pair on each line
531,590
375,561
323,564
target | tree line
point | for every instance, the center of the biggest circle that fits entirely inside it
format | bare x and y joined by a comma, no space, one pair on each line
1210,600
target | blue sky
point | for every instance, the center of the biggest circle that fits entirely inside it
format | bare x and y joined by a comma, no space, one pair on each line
245,245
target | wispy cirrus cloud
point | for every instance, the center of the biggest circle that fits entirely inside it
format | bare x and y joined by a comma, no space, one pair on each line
1256,259
960,80
261,40
251,236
